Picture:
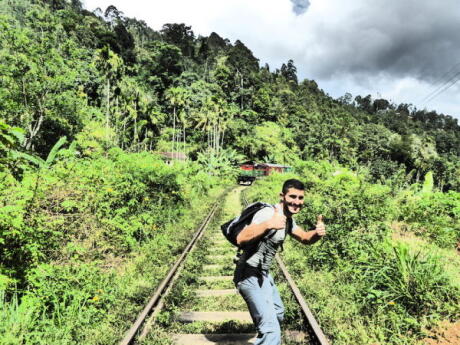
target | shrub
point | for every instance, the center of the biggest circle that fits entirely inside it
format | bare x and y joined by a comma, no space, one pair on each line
435,216
84,241
413,286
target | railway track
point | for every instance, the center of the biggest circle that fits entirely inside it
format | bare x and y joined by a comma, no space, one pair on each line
215,314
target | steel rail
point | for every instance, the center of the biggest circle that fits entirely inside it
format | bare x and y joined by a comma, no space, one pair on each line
158,293
313,324
159,305
316,329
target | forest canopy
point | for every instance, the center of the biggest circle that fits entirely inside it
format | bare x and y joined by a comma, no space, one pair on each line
67,71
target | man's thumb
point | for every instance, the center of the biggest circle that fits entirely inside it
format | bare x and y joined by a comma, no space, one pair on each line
319,219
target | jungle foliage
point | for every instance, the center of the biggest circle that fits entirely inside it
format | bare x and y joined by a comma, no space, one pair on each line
84,241
64,67
365,281
89,209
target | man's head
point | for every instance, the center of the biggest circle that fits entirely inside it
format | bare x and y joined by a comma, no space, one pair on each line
292,196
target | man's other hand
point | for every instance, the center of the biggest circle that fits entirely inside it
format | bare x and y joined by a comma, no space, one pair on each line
320,227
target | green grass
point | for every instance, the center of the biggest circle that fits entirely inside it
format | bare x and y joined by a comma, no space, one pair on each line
217,303
78,303
216,285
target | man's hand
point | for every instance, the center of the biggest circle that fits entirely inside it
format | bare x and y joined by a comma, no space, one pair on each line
277,222
320,227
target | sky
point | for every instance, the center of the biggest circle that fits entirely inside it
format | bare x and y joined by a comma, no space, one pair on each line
406,51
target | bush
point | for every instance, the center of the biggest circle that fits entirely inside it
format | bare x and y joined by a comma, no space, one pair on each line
85,241
354,210
393,275
435,216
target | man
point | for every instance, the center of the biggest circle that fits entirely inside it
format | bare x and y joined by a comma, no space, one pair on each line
261,240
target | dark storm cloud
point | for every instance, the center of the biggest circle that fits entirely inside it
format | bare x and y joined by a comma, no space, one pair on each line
400,38
300,6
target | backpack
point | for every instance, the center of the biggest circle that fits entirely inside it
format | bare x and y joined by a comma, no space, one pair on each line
234,226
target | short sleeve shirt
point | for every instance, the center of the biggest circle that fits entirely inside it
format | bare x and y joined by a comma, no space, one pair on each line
263,257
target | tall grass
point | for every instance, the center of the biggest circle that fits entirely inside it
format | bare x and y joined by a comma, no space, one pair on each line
16,319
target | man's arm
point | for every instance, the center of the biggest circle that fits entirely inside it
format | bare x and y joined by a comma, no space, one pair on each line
254,231
312,236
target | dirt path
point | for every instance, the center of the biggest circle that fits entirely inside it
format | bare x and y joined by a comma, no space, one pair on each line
447,334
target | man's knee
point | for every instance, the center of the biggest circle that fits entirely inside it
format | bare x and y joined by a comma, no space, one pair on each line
280,316
269,327
269,337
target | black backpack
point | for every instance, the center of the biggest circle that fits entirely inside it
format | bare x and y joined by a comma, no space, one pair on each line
233,227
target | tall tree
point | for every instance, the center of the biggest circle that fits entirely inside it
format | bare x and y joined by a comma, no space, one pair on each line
289,71
180,35
111,66
43,73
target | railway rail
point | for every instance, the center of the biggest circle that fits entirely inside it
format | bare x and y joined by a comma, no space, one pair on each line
156,301
140,328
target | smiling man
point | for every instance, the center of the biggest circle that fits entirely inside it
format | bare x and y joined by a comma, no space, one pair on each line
261,240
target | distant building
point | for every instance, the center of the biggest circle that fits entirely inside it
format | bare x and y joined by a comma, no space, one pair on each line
250,170
169,157
270,167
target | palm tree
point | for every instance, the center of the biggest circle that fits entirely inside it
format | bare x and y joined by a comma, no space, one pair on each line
177,98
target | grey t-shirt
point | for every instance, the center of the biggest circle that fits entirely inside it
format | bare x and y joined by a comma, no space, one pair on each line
262,258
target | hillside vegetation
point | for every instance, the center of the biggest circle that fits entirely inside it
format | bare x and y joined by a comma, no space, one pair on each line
67,71
92,216
366,281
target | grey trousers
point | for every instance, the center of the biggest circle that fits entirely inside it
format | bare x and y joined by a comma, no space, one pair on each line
265,307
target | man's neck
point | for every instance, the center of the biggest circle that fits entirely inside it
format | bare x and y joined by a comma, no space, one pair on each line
285,210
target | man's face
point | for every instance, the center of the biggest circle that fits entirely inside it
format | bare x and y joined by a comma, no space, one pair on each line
293,200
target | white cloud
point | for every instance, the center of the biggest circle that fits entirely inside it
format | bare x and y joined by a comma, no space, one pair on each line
389,47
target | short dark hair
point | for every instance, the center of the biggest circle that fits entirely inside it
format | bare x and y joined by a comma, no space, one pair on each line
292,183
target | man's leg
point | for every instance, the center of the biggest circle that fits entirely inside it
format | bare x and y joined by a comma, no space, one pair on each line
262,309
277,302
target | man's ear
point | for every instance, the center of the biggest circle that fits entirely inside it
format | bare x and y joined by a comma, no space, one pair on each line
281,196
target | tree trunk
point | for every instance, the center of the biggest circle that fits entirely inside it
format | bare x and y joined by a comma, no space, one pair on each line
107,114
123,138
214,137
135,130
34,129
174,132
184,140
223,135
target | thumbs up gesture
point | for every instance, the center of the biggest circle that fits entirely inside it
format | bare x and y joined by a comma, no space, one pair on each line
320,227
278,221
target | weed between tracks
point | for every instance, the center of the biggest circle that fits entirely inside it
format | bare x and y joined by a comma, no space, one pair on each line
212,303
183,297
215,285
